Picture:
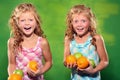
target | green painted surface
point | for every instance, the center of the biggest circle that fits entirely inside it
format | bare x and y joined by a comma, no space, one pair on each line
53,14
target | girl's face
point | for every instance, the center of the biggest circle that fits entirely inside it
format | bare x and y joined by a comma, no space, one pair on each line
27,23
80,24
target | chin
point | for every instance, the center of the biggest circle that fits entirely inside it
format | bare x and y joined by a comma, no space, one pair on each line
80,34
27,34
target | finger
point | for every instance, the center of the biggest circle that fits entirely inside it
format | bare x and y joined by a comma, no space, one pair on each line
65,63
31,72
70,65
80,69
74,65
38,72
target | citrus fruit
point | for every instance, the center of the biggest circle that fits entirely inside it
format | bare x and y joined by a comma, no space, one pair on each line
15,77
82,62
92,62
77,55
70,59
33,65
18,71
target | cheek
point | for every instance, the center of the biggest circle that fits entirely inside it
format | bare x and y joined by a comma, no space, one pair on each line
87,25
33,23
20,26
74,27
75,24
20,23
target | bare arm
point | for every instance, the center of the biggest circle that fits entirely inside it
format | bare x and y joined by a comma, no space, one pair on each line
104,61
66,53
11,58
66,47
47,56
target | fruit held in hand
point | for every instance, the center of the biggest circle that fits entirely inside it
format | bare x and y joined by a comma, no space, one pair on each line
77,55
18,71
92,62
15,77
82,62
70,59
33,65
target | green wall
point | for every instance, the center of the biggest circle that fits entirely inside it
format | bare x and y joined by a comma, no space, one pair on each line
53,13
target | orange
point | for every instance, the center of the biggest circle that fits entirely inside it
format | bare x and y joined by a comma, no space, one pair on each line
33,65
15,77
70,59
82,62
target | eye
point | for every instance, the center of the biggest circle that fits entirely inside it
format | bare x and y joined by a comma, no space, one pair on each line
31,19
22,20
83,21
75,21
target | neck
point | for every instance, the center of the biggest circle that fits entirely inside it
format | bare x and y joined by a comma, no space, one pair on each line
82,36
30,37
85,34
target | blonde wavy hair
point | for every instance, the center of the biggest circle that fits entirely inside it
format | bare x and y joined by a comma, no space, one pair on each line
77,9
16,33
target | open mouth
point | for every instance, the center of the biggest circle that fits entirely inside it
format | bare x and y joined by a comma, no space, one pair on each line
27,28
80,29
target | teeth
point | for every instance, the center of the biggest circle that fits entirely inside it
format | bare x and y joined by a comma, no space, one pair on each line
27,28
80,29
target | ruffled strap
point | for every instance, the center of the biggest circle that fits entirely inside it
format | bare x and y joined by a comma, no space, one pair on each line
33,49
79,45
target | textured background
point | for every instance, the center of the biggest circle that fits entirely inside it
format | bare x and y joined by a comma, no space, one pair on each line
53,14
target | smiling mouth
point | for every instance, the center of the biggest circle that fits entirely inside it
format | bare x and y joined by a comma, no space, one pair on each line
27,28
81,29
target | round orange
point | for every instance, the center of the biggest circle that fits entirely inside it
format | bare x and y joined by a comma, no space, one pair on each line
70,59
82,62
33,65
15,77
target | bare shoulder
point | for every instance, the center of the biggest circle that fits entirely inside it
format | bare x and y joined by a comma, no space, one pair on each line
44,42
66,39
99,38
10,41
10,47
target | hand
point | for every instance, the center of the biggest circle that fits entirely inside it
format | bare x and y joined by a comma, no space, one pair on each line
32,73
69,65
88,70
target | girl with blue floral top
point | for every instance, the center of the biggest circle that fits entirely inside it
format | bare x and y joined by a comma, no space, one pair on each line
81,36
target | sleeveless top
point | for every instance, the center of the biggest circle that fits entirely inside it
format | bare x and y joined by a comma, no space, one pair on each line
87,50
26,55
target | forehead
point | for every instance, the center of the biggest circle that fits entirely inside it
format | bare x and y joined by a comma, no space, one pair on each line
26,14
79,15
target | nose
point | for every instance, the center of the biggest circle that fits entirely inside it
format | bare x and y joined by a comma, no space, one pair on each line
27,22
79,24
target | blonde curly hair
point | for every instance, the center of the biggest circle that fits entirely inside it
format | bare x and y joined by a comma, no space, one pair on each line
16,33
77,9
